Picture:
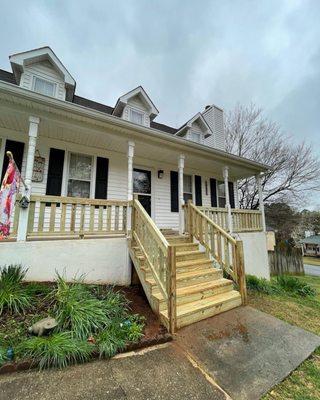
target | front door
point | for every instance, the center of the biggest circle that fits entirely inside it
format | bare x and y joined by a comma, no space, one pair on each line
142,187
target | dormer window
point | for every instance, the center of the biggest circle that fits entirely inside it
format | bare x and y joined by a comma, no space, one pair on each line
136,117
195,137
44,87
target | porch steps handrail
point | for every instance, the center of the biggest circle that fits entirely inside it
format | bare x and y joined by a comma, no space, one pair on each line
222,247
158,254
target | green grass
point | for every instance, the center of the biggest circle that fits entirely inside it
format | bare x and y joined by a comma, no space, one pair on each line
302,311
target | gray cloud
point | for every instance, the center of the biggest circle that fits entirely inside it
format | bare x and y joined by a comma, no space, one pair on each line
185,53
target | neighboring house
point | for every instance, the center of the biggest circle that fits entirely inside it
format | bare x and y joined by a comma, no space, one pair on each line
311,246
84,161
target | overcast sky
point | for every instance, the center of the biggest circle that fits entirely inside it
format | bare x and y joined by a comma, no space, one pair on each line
186,54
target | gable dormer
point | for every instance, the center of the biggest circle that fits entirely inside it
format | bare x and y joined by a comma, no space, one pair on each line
41,71
196,129
136,106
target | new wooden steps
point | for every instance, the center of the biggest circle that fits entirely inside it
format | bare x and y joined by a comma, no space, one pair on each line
201,309
201,290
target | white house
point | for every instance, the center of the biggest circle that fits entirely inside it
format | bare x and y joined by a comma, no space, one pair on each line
84,161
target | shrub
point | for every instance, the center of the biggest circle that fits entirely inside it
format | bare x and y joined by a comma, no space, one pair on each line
295,286
259,284
77,310
59,350
13,294
118,334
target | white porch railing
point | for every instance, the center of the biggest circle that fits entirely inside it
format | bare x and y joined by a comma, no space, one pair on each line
242,220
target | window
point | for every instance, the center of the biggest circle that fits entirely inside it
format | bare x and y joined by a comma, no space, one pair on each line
221,194
44,87
79,179
195,137
187,188
136,117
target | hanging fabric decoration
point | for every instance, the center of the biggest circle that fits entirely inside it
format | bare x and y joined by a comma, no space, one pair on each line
9,188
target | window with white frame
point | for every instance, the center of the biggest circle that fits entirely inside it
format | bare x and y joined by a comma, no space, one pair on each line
195,137
187,188
79,176
221,190
136,117
44,87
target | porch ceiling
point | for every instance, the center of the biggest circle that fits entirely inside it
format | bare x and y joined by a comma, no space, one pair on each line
77,125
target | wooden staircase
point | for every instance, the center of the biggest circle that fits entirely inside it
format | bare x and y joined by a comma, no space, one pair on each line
179,273
201,289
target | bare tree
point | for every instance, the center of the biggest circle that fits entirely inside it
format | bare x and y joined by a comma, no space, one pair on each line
294,170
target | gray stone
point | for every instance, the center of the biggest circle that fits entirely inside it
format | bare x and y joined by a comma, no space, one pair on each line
43,326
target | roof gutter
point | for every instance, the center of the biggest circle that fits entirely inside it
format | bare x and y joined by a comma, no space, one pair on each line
11,89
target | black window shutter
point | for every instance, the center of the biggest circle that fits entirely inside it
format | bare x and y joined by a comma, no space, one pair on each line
174,191
55,171
102,178
231,194
213,192
16,149
197,184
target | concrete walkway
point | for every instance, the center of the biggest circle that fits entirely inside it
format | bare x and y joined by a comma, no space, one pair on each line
244,351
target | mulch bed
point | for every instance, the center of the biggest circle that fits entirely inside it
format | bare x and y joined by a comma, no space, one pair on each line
154,332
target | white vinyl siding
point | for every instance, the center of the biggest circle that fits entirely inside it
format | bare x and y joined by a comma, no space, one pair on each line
214,118
43,70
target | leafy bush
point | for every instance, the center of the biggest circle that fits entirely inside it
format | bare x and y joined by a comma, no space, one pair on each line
77,310
118,334
13,294
59,350
259,284
293,285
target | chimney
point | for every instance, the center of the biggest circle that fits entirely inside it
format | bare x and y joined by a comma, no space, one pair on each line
214,118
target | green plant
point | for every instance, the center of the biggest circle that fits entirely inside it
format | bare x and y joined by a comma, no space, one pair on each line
118,334
259,284
58,350
3,355
13,294
77,310
293,285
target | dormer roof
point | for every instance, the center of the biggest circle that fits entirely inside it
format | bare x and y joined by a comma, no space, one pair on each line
20,60
188,125
141,93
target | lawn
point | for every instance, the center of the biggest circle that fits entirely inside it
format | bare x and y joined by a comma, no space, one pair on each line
311,260
303,383
89,320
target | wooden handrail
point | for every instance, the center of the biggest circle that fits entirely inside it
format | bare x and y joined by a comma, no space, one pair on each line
58,216
223,248
159,255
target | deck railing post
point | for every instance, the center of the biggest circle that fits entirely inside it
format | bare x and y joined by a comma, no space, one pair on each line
24,212
240,271
171,288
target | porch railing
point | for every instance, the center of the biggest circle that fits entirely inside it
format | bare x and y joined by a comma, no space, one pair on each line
54,216
242,220
222,247
159,256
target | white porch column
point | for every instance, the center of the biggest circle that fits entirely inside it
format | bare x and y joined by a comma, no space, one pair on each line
181,199
24,212
261,203
130,180
236,194
228,206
